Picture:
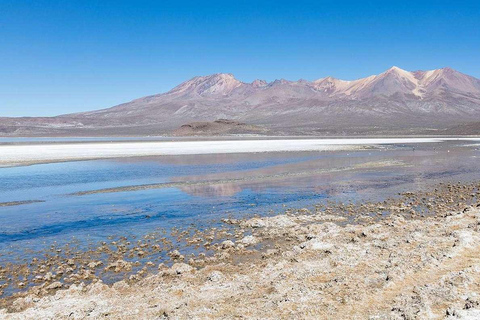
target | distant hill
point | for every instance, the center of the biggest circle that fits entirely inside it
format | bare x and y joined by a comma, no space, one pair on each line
393,102
217,127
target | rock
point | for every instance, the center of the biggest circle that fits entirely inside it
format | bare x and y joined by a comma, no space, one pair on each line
175,255
281,221
254,223
162,266
471,302
55,285
249,241
318,245
133,278
451,312
120,285
230,221
48,276
215,276
94,264
227,244
119,265
222,255
269,253
181,268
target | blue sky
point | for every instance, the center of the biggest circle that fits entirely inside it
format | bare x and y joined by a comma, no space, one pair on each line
67,56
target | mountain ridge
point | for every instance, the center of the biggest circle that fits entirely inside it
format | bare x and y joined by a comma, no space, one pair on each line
394,101
415,81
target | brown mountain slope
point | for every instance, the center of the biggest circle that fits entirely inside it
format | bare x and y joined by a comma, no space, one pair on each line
395,101
472,129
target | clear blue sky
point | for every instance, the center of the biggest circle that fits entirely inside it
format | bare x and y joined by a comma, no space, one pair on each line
75,55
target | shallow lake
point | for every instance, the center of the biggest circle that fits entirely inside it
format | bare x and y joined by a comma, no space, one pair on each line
54,204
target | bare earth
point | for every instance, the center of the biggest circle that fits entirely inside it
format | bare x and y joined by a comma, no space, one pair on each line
391,268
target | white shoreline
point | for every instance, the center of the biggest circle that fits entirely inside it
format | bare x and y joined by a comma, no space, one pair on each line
11,155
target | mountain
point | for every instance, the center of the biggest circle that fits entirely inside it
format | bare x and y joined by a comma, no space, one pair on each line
393,102
217,85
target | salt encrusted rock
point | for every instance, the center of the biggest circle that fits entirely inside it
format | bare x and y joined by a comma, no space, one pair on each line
134,277
330,217
222,256
281,221
175,254
215,276
230,221
55,285
363,218
181,268
97,288
270,253
254,223
120,285
119,265
227,244
472,302
249,241
94,264
318,245
48,277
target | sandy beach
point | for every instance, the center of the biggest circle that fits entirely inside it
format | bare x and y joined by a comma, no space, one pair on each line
24,154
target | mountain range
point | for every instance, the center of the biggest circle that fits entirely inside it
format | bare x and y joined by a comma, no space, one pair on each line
393,102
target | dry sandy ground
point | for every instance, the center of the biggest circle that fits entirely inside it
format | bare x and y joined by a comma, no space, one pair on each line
41,153
396,268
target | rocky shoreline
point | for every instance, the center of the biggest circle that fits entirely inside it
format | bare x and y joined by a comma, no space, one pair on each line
413,257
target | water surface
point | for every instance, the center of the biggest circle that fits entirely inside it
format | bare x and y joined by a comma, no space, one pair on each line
199,190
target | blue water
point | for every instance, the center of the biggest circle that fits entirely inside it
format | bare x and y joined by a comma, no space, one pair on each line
251,184
61,217
46,180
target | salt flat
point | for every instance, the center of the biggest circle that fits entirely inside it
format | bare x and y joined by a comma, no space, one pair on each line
11,155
